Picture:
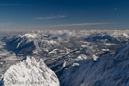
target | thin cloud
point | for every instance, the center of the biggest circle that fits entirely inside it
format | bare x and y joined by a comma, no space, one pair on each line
67,25
80,24
52,17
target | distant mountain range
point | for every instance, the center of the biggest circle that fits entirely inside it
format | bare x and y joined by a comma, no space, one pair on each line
79,58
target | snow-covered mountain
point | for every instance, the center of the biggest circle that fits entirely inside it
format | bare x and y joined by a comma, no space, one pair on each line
57,47
29,72
105,71
79,58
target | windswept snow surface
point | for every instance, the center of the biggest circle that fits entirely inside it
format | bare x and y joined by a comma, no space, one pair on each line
30,72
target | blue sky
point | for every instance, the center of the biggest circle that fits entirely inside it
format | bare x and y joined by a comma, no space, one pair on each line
64,14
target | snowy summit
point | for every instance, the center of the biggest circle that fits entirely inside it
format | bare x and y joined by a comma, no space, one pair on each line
29,72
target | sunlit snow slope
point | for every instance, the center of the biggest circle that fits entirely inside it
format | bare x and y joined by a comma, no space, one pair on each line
30,72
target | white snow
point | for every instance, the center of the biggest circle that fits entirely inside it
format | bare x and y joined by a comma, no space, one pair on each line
109,44
19,44
105,50
81,57
64,64
54,51
75,64
124,34
95,57
29,35
29,72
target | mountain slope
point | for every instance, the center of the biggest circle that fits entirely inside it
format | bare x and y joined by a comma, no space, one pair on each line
30,72
105,71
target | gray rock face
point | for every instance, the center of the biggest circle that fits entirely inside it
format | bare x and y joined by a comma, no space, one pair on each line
29,72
